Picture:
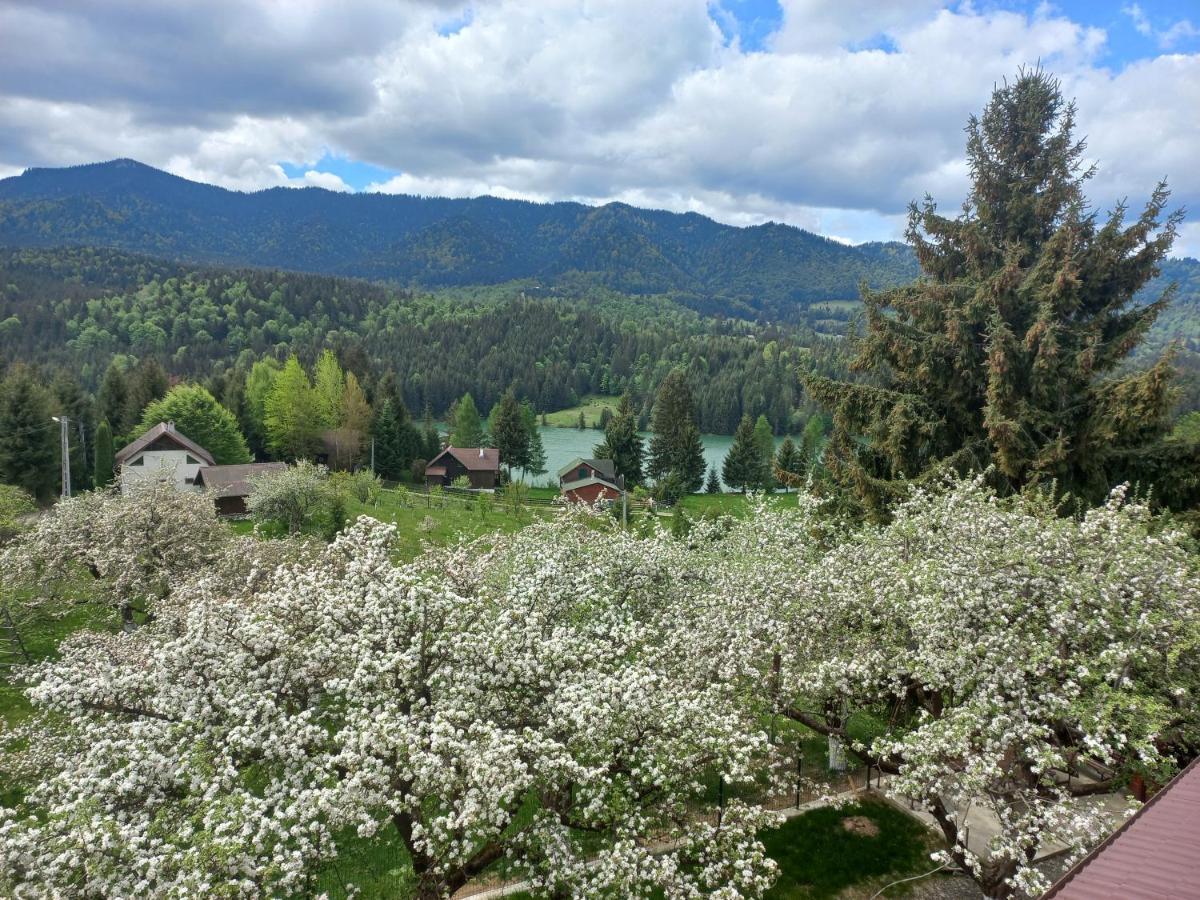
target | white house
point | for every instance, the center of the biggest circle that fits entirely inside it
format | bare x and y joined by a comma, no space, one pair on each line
163,452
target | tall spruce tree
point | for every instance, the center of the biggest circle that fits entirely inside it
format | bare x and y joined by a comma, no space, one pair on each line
743,465
622,443
508,433
112,400
536,464
1006,353
29,447
145,383
764,439
789,467
104,468
675,447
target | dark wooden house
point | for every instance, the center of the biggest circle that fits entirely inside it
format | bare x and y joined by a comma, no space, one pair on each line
480,465
231,485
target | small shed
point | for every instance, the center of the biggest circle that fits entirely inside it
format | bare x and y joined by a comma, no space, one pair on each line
589,481
480,465
231,485
1155,855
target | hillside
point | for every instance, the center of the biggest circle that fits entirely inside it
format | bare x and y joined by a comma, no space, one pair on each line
767,271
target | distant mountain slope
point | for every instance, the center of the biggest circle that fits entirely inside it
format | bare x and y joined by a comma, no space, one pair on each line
771,270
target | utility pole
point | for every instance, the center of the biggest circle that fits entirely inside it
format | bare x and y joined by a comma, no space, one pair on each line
624,505
64,430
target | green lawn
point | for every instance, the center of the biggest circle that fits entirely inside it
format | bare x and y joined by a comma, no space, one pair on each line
592,405
818,857
424,519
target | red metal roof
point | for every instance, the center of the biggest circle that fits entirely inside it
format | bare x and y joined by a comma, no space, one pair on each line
1155,855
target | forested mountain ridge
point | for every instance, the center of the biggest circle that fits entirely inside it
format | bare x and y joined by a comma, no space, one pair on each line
78,308
767,271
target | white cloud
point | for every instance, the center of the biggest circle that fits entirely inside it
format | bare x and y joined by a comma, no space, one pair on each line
854,109
1167,37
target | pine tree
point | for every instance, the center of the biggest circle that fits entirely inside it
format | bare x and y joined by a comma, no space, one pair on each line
536,464
29,448
811,441
742,468
508,433
676,445
105,464
197,414
466,426
1006,354
764,439
431,441
112,400
145,383
290,414
581,423
622,443
391,461
789,465
713,485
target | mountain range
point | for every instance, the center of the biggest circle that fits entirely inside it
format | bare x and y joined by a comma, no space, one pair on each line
768,271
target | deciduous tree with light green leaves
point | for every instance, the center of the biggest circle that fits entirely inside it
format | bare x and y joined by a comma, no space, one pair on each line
291,417
198,415
466,429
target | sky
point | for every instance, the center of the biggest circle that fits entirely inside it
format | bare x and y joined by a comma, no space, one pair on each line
827,114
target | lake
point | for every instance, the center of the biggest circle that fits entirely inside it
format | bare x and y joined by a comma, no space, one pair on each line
564,444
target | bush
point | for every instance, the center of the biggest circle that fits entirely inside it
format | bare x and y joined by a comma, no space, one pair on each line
418,470
302,498
15,503
363,485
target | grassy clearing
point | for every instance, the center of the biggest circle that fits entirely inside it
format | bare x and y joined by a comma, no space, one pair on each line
819,858
423,519
591,406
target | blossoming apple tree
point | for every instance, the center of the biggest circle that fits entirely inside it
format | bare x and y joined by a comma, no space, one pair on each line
480,704
1012,658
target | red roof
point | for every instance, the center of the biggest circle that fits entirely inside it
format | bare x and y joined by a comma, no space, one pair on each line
473,459
1155,855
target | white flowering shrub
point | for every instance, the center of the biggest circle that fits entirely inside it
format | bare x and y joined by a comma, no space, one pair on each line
483,705
136,545
1001,646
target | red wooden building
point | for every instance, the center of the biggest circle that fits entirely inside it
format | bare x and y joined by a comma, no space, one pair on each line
589,481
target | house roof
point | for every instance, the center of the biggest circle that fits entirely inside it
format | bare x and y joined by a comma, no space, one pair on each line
605,467
474,459
234,481
585,482
1155,855
167,431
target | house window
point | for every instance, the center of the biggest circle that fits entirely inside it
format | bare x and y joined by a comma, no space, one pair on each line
140,461
583,472
191,460
189,480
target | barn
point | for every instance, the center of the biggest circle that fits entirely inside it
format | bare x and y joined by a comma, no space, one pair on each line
589,481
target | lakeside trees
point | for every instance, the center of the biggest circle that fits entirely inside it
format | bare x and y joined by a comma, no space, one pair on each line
622,443
675,450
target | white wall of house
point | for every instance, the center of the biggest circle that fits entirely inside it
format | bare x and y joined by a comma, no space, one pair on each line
177,466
